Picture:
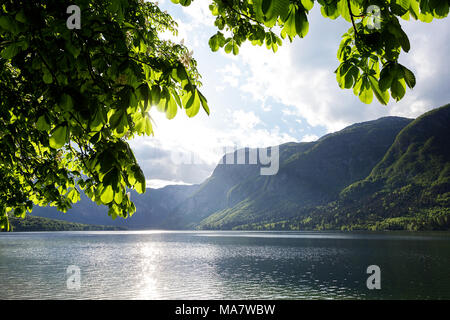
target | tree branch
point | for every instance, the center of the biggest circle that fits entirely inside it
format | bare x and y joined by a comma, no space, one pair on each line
352,18
240,13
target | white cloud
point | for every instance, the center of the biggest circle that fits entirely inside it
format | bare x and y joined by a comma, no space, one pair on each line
300,75
231,74
295,83
188,149
309,138
246,120
309,90
266,108
199,12
160,183
232,70
289,112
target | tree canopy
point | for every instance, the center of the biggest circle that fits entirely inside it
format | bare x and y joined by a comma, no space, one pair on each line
369,51
70,98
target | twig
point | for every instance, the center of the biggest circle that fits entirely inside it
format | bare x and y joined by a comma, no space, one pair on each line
351,17
240,13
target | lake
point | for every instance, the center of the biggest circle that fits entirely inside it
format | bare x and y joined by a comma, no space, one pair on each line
223,265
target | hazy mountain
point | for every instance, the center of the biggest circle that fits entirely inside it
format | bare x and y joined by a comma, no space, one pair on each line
152,209
32,223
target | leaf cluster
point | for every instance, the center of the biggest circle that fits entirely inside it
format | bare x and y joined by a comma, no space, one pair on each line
70,99
369,51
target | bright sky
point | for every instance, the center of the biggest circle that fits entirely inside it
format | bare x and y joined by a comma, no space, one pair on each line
260,99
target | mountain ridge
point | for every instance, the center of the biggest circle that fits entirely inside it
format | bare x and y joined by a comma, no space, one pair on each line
316,187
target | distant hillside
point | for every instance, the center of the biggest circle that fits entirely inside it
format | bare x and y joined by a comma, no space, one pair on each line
31,223
153,209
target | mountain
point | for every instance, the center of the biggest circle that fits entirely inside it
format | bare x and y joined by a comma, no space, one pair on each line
152,209
390,173
310,174
409,189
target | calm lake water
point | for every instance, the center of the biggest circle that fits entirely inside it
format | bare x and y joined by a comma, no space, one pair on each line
224,265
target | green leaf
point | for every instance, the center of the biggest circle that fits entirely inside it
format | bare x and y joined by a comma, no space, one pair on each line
386,78
441,8
188,99
66,102
148,126
47,77
118,197
278,8
269,9
404,3
409,77
289,25
20,212
73,195
365,92
307,4
4,222
184,3
195,105
214,43
229,46
350,77
155,94
20,16
118,121
107,194
172,108
111,178
59,137
301,23
382,96
235,49
42,124
139,186
342,7
98,120
7,24
10,51
398,89
204,102
257,8
329,11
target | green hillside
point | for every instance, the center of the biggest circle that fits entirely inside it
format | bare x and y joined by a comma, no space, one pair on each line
409,189
32,223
